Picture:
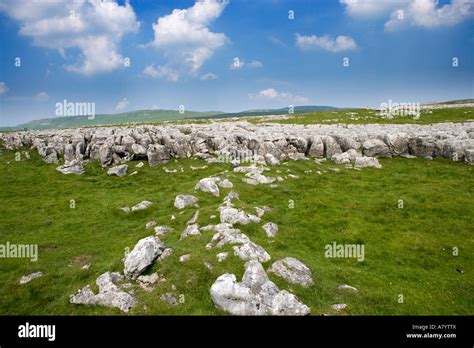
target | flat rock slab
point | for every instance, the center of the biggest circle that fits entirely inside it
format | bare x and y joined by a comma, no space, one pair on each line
30,277
293,271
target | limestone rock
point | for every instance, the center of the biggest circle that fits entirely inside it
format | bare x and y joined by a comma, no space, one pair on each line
362,162
191,230
142,205
345,287
73,167
183,201
208,185
120,170
271,229
145,252
293,271
157,154
255,295
30,277
251,251
110,294
222,256
375,148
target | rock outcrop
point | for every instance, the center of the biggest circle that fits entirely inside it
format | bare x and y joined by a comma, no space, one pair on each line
269,143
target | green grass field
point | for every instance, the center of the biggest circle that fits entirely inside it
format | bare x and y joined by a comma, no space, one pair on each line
364,116
408,251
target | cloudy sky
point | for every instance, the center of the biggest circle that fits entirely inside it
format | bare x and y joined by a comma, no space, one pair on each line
231,55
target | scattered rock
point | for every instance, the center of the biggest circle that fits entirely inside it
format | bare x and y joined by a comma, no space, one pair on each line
73,167
236,216
194,218
362,162
150,224
145,252
345,287
163,230
148,282
30,277
191,230
183,201
110,294
271,229
209,265
251,251
142,205
166,253
120,170
208,185
255,295
339,307
226,234
185,258
167,297
257,178
222,256
293,271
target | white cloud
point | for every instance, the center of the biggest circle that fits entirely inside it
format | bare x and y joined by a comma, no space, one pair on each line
184,35
122,105
273,94
94,27
161,72
417,13
341,43
208,76
277,41
238,64
372,8
426,13
42,97
3,88
254,64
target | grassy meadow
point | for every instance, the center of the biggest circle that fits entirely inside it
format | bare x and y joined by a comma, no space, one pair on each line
408,250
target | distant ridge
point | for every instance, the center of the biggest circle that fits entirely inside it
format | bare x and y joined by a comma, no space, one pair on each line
149,116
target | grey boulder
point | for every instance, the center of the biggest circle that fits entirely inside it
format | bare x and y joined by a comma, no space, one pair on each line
183,201
145,252
120,170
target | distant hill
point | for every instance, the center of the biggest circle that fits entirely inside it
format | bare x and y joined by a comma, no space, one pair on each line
281,111
141,116
150,116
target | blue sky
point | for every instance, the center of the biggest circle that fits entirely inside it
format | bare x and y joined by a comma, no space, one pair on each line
78,50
